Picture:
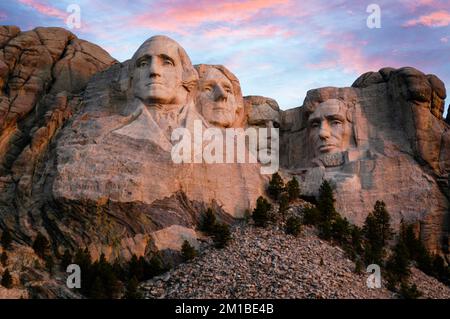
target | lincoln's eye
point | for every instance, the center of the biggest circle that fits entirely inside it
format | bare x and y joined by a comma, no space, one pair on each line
276,125
314,124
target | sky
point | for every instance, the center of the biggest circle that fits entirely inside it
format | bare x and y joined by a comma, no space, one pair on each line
277,48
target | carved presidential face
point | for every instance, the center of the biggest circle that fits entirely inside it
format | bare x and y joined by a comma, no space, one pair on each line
329,129
264,116
157,75
216,98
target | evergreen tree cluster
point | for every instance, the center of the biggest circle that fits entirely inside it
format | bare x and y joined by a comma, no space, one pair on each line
104,280
220,232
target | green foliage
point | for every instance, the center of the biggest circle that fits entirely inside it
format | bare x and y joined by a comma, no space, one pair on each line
261,212
208,221
6,279
6,239
325,203
154,267
187,251
284,204
41,246
398,263
311,216
293,189
356,235
340,230
276,186
377,231
221,235
4,258
409,292
293,226
132,290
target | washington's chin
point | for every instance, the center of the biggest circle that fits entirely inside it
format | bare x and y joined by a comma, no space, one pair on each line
220,121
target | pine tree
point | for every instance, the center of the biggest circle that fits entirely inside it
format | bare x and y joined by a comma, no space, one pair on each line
398,263
261,212
311,216
4,259
6,239
276,186
41,246
221,235
155,267
208,221
293,189
188,252
6,279
132,289
325,203
284,204
409,292
340,230
83,259
136,267
97,290
377,231
293,226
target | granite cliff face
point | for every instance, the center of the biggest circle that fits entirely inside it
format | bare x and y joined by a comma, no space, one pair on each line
85,146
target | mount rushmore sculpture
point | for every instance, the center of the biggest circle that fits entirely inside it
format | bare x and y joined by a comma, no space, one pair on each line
88,157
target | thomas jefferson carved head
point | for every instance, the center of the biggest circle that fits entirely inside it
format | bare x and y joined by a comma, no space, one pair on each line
219,97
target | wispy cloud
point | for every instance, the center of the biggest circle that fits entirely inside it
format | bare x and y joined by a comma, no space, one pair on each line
434,19
44,8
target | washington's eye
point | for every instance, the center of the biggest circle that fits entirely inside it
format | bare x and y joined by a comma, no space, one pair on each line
207,89
228,90
168,62
143,63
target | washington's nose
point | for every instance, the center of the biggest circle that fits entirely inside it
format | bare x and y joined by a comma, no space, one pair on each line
154,68
324,132
220,94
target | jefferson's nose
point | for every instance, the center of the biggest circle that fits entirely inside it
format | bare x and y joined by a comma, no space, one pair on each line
219,93
324,132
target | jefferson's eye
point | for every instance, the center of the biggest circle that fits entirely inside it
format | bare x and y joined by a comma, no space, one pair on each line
228,90
336,122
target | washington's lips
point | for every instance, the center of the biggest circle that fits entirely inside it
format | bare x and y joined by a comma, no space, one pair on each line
153,83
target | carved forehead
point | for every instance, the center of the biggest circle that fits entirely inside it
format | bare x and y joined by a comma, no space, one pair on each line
329,108
159,45
263,112
214,74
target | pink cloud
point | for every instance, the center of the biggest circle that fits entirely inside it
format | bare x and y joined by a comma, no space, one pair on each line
192,14
434,19
44,8
347,55
248,32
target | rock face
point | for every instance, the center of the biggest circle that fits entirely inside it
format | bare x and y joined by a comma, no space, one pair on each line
87,145
382,139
